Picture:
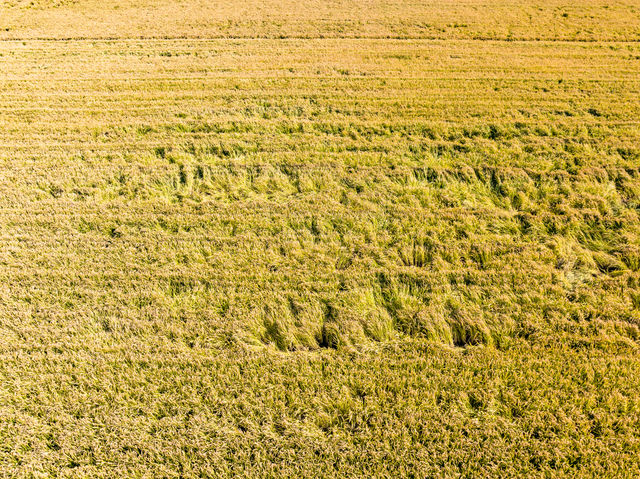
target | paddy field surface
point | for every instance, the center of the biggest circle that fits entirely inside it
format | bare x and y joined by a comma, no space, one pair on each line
328,239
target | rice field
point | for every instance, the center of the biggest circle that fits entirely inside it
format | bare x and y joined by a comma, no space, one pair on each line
335,239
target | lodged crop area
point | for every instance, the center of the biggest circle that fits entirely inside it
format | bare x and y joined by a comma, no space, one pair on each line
400,241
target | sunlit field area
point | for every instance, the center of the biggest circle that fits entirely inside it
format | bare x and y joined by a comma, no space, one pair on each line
328,239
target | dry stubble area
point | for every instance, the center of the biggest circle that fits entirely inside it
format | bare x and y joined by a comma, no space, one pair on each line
377,251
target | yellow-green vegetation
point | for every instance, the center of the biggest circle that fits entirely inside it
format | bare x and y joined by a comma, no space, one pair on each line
582,20
336,239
